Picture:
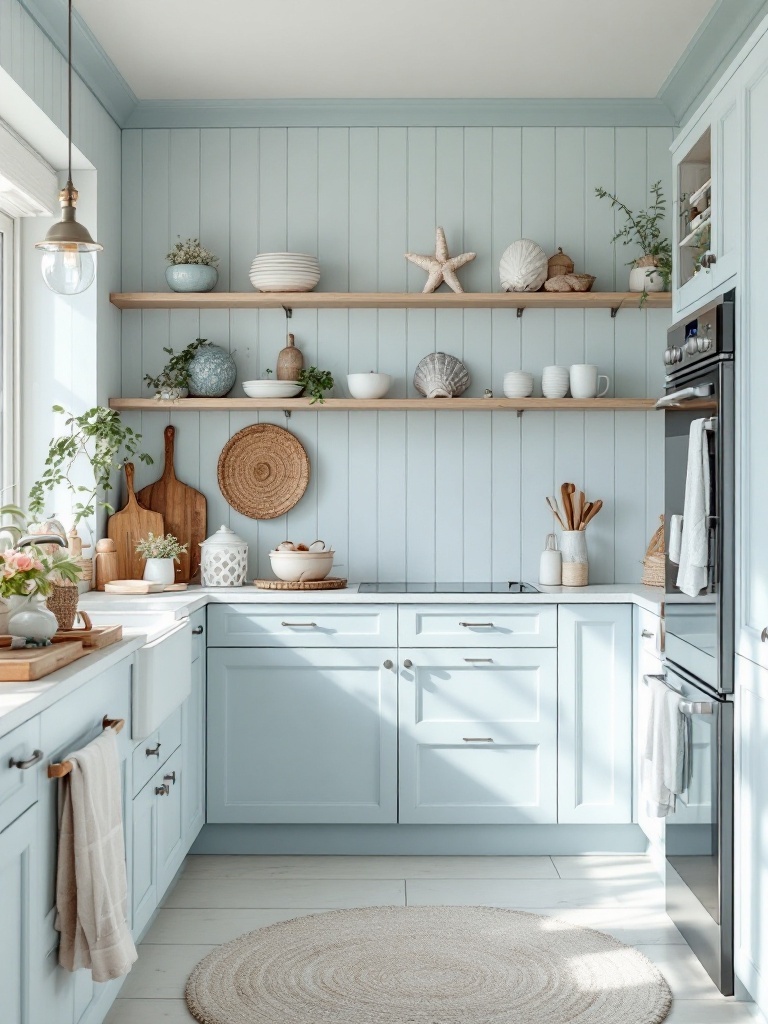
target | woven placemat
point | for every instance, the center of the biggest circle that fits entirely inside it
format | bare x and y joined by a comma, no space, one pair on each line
329,583
263,471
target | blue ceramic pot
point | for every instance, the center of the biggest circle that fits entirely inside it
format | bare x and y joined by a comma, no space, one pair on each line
191,277
212,372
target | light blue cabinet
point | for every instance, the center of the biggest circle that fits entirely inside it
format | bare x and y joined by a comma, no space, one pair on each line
478,736
595,714
193,739
18,945
144,867
302,735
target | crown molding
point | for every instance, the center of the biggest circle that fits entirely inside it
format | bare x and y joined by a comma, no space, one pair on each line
721,35
90,61
397,113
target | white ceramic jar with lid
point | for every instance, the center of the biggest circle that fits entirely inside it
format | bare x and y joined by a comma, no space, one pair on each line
224,560
551,564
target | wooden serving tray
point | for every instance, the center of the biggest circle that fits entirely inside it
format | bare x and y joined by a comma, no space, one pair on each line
329,583
30,663
92,637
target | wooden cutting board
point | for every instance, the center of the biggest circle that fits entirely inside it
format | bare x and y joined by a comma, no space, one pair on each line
183,509
127,527
95,637
28,664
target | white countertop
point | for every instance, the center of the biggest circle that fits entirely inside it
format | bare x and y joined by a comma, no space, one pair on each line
21,701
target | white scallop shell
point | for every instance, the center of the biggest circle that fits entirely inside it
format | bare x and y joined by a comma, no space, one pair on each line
523,267
441,376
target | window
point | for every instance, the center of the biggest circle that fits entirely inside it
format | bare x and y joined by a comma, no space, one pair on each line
9,435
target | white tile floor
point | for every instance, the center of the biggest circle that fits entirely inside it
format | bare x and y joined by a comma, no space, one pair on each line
218,898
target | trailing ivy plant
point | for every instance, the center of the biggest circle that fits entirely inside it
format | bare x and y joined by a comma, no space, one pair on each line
99,436
315,382
644,230
175,373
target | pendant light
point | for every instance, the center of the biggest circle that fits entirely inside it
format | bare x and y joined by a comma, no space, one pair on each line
69,263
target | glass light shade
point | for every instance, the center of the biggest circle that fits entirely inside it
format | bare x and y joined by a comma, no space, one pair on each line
68,271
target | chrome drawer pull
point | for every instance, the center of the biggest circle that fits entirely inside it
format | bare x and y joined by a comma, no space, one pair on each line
197,631
37,755
313,625
468,624
170,777
646,634
163,790
488,661
153,751
477,739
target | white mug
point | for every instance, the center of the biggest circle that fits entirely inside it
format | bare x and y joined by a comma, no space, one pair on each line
585,381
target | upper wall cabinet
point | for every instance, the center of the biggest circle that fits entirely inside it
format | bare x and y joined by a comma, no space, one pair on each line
707,203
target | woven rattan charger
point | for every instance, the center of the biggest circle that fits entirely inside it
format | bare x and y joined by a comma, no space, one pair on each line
263,471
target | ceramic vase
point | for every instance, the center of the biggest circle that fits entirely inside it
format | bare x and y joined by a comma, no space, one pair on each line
4,613
212,372
191,277
160,570
30,619
573,546
640,280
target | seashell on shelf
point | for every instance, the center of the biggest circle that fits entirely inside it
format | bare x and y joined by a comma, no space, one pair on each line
523,267
441,376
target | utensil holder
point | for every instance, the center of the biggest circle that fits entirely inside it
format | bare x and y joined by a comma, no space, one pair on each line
573,545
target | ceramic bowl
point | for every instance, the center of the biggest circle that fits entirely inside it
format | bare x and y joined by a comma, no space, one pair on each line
368,385
304,566
271,388
518,384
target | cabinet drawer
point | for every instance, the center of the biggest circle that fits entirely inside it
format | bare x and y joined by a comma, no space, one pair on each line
303,625
480,625
155,750
648,634
18,786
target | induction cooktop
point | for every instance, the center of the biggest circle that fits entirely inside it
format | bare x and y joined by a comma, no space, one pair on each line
513,587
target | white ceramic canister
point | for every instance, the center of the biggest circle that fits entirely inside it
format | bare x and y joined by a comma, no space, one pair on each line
551,563
224,559
573,545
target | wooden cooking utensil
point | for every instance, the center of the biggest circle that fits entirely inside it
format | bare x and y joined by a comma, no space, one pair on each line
127,527
184,511
597,505
552,502
566,505
579,518
587,510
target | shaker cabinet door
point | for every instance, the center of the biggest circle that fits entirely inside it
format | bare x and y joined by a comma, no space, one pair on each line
18,939
478,736
302,735
595,714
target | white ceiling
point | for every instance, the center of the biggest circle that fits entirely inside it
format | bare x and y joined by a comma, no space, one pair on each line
321,49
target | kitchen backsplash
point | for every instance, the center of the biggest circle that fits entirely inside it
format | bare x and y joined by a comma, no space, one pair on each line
418,495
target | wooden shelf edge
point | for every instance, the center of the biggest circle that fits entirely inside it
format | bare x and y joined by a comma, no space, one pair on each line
389,300
387,404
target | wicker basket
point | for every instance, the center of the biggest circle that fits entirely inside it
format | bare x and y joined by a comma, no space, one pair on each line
63,604
654,563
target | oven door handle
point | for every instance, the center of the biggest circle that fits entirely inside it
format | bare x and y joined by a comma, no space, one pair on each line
696,707
686,395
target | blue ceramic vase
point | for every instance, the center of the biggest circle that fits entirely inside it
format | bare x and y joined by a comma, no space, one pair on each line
191,277
212,372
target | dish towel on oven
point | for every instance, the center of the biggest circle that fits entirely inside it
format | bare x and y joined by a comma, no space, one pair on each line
694,548
91,885
666,750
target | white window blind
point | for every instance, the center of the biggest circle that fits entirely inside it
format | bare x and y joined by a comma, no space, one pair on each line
28,185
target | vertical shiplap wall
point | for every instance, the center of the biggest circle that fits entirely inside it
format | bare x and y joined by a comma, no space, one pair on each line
421,495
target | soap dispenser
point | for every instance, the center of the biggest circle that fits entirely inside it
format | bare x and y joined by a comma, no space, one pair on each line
551,564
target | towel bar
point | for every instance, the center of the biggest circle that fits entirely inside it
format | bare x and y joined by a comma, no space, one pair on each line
62,768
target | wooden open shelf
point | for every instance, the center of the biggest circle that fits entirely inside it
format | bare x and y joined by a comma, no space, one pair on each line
386,404
390,300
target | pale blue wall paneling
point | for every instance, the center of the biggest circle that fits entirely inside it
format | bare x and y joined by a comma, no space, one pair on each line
410,495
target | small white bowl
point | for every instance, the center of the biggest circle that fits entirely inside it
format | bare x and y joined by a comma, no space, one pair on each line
304,566
271,388
368,385
518,384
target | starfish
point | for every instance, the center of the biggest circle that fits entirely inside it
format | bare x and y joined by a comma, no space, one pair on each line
441,267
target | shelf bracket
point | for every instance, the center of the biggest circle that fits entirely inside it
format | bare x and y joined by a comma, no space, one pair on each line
614,311
520,311
287,413
519,413
288,312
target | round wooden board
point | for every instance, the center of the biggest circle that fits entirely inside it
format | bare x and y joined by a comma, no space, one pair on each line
329,583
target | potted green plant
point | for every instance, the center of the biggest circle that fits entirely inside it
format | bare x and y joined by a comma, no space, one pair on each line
315,382
192,267
173,380
160,553
652,270
97,436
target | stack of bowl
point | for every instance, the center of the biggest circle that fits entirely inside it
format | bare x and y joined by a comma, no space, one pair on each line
284,272
271,388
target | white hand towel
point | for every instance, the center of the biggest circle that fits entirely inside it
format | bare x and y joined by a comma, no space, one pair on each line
694,549
675,538
91,884
665,752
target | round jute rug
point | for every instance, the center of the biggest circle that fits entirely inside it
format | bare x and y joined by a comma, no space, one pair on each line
426,965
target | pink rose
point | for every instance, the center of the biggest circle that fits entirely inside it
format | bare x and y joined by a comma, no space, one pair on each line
24,562
38,565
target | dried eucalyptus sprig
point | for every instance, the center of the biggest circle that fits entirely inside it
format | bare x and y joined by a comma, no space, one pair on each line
189,250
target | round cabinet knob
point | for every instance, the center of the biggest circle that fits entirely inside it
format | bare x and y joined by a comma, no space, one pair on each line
163,790
153,751
197,631
388,664
407,663
764,634
646,634
170,777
